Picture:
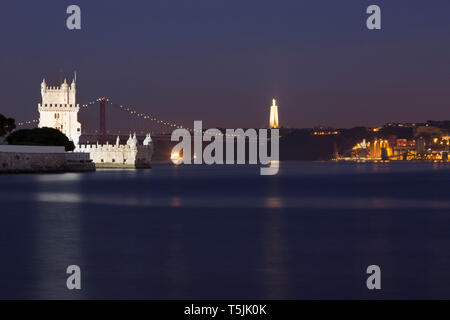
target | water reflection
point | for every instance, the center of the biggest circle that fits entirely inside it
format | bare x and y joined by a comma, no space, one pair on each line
273,202
274,276
176,202
176,264
318,202
64,177
197,232
58,242
63,197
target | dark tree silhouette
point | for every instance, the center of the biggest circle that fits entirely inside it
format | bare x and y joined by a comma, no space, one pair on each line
40,137
6,125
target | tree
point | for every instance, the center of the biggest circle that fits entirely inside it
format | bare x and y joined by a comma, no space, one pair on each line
6,125
40,137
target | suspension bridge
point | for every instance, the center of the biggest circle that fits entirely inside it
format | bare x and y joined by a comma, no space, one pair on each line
102,134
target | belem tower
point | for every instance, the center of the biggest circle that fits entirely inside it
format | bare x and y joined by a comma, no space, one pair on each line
59,110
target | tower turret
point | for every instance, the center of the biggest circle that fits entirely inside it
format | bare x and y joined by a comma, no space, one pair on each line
129,140
147,140
65,91
73,84
73,91
132,141
43,87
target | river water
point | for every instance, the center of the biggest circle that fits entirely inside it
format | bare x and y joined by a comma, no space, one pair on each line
226,232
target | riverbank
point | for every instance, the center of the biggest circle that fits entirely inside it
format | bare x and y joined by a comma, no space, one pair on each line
42,159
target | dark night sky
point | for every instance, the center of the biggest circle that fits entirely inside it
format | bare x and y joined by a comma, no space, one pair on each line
223,61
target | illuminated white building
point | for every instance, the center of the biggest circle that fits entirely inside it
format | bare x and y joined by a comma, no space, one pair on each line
273,122
59,110
130,155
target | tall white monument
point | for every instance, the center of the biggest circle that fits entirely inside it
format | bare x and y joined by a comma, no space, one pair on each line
273,120
59,110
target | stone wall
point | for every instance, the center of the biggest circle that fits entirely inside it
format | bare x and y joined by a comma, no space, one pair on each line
18,159
14,162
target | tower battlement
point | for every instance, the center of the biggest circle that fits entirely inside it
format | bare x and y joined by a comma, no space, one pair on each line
63,94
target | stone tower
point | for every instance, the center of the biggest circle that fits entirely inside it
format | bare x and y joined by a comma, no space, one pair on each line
273,120
59,110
